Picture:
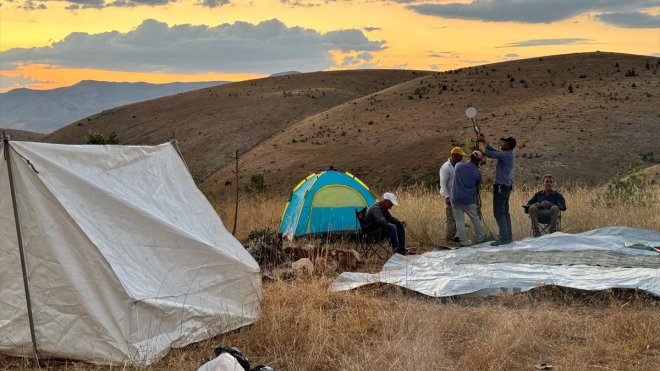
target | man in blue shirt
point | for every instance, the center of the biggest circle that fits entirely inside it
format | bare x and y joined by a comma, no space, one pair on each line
545,205
503,185
467,178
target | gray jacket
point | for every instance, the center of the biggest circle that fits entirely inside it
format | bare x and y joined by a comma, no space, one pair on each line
377,214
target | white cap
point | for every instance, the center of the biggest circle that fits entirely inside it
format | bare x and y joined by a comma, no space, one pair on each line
390,196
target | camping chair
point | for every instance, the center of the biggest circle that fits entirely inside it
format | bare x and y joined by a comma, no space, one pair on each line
544,222
369,242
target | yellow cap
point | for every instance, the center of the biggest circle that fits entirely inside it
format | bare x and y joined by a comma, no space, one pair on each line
458,150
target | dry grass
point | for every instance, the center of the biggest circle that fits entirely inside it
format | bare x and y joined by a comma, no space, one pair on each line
303,326
423,209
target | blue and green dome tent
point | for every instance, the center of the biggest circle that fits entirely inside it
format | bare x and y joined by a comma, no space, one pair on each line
325,203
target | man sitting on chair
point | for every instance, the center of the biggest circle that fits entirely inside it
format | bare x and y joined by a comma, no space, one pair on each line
545,204
381,222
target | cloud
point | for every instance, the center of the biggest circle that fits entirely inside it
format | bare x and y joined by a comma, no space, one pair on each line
525,11
304,3
361,60
511,56
369,29
433,54
212,3
131,3
82,4
546,42
31,5
13,82
267,47
98,4
630,19
655,54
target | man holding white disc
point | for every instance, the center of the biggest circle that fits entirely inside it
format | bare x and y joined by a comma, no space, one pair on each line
506,159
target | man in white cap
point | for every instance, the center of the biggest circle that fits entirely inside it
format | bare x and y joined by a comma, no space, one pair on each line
379,221
446,180
467,178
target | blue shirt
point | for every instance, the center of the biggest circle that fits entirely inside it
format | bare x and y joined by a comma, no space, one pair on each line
467,178
504,167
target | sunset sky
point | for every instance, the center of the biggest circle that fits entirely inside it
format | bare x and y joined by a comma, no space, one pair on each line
53,43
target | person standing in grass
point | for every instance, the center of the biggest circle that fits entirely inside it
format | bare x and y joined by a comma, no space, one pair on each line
446,179
545,204
506,159
467,178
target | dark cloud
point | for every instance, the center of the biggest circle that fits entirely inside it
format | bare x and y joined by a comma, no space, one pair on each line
266,47
526,11
133,3
213,3
511,56
630,19
31,5
369,29
546,42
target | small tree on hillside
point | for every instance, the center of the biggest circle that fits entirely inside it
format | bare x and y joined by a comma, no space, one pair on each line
96,137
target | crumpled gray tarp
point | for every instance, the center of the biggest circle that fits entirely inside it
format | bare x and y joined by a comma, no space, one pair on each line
595,260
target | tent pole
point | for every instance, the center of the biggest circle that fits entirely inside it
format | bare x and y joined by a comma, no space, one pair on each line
21,249
233,230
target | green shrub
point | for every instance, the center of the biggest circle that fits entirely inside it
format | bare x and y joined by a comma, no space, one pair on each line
96,137
256,185
631,190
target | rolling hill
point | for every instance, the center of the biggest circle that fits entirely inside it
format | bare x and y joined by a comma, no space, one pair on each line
579,116
212,123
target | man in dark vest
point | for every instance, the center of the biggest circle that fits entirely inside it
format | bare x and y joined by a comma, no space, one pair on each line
379,221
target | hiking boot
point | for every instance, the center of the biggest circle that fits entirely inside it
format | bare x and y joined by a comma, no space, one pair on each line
500,242
466,244
455,239
537,233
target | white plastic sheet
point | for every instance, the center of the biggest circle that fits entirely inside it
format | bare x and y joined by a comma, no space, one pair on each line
594,260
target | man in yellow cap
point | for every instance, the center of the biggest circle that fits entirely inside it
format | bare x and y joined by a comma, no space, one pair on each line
446,180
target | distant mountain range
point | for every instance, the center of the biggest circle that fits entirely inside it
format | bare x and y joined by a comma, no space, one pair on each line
44,111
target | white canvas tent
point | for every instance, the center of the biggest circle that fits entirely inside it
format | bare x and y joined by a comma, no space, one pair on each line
123,256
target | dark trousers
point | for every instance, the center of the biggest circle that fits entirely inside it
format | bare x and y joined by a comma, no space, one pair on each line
501,195
396,233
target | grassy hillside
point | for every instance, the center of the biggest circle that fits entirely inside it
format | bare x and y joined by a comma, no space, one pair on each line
210,124
583,117
579,116
29,136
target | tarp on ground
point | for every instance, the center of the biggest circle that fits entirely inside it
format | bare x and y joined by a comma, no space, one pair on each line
125,257
595,260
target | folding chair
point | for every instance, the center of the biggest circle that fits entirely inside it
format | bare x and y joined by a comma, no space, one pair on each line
544,222
368,240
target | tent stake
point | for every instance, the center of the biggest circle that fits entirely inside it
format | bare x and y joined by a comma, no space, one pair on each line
21,249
